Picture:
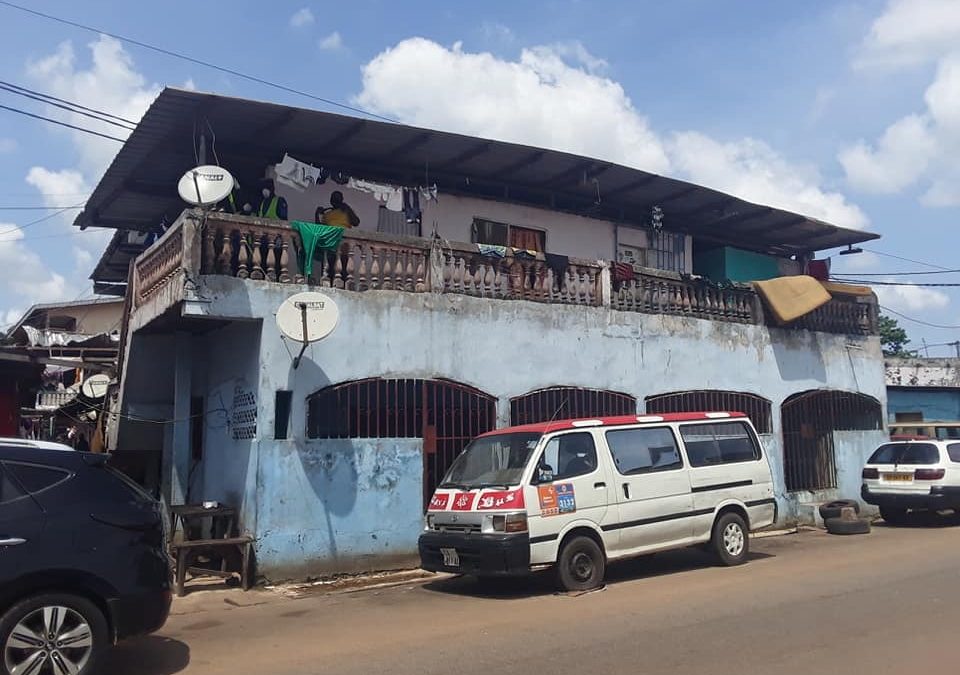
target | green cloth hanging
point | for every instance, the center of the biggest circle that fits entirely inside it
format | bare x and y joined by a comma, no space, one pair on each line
323,237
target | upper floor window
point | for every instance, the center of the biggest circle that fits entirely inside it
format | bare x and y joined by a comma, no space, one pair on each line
668,251
501,234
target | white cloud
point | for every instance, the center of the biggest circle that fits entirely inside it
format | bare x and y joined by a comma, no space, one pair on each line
538,100
918,148
911,298
7,145
898,159
302,18
32,281
110,84
911,32
331,42
52,184
751,169
83,259
556,97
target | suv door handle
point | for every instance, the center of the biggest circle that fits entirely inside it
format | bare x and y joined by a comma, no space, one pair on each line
599,485
12,541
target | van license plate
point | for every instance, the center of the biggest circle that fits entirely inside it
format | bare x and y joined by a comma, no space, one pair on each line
898,477
450,557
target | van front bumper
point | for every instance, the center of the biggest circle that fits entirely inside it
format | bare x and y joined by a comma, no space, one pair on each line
479,554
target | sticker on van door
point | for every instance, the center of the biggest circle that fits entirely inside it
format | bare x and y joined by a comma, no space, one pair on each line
557,499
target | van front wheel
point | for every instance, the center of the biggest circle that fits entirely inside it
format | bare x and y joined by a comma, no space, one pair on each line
731,539
581,565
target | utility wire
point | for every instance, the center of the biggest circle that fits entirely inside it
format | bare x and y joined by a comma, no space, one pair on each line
922,323
869,282
37,208
893,274
65,124
42,98
40,220
71,103
887,255
199,62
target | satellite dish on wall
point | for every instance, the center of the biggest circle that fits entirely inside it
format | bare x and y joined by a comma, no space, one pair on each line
95,386
205,185
306,318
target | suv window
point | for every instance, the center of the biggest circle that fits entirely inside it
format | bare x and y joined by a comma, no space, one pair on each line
905,453
8,489
644,450
570,455
36,478
719,443
954,451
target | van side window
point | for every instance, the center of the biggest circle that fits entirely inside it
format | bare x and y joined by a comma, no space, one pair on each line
569,455
719,443
954,451
644,450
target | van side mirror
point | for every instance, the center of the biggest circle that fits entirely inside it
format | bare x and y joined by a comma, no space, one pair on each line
544,474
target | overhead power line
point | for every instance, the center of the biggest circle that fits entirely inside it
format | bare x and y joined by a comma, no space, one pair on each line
42,219
75,105
919,321
64,124
894,274
199,62
890,255
870,282
66,105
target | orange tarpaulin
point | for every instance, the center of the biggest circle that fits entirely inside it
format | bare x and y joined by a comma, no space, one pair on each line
846,289
789,298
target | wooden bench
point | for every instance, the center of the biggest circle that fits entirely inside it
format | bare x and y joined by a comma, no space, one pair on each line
185,551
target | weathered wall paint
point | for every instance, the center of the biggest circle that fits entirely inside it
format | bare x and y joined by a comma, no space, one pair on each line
923,372
292,492
338,506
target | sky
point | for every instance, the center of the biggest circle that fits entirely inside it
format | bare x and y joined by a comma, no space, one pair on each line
848,111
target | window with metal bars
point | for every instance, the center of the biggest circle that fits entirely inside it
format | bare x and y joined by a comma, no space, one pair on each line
809,420
757,408
668,251
557,403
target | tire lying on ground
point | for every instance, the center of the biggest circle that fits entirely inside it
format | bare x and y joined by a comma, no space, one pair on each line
832,509
841,526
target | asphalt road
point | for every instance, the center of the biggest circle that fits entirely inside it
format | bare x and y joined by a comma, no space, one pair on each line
883,603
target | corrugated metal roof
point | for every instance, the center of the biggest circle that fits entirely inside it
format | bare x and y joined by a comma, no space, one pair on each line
139,188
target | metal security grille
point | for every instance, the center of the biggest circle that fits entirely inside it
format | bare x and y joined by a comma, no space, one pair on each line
809,420
667,251
447,415
557,403
757,408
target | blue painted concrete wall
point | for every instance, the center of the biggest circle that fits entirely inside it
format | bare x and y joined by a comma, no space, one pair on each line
338,505
315,506
943,405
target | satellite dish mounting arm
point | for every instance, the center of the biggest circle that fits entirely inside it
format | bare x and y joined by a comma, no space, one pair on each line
306,340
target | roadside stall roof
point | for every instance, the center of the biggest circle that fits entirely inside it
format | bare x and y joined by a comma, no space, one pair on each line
140,186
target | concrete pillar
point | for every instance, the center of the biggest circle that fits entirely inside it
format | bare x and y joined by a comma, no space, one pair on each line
176,454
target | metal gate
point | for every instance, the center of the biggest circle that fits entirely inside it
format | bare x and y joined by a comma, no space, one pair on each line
809,420
557,403
757,408
446,415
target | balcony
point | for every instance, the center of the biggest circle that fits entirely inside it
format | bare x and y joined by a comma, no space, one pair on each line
265,250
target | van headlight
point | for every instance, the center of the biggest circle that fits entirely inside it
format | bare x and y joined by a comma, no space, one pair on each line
509,523
428,522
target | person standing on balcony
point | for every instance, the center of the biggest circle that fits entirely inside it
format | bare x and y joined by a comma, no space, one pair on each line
271,205
339,214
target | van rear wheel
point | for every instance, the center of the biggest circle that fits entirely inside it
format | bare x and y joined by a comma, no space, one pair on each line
581,565
731,539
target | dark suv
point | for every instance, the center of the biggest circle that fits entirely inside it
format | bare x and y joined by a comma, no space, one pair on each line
82,559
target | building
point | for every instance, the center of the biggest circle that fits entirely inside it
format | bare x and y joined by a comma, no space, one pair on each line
921,389
448,327
49,353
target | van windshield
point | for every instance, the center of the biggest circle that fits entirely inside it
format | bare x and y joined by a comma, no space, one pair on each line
492,461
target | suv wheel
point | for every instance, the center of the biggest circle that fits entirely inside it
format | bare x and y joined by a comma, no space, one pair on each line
52,633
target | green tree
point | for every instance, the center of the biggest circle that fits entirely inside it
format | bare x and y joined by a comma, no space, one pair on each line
893,338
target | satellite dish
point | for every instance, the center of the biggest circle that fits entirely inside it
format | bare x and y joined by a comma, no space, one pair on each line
95,386
205,185
307,317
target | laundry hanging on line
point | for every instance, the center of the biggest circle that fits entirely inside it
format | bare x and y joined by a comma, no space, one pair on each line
388,195
315,237
299,175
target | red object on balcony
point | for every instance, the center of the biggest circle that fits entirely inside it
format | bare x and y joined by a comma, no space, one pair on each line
819,269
